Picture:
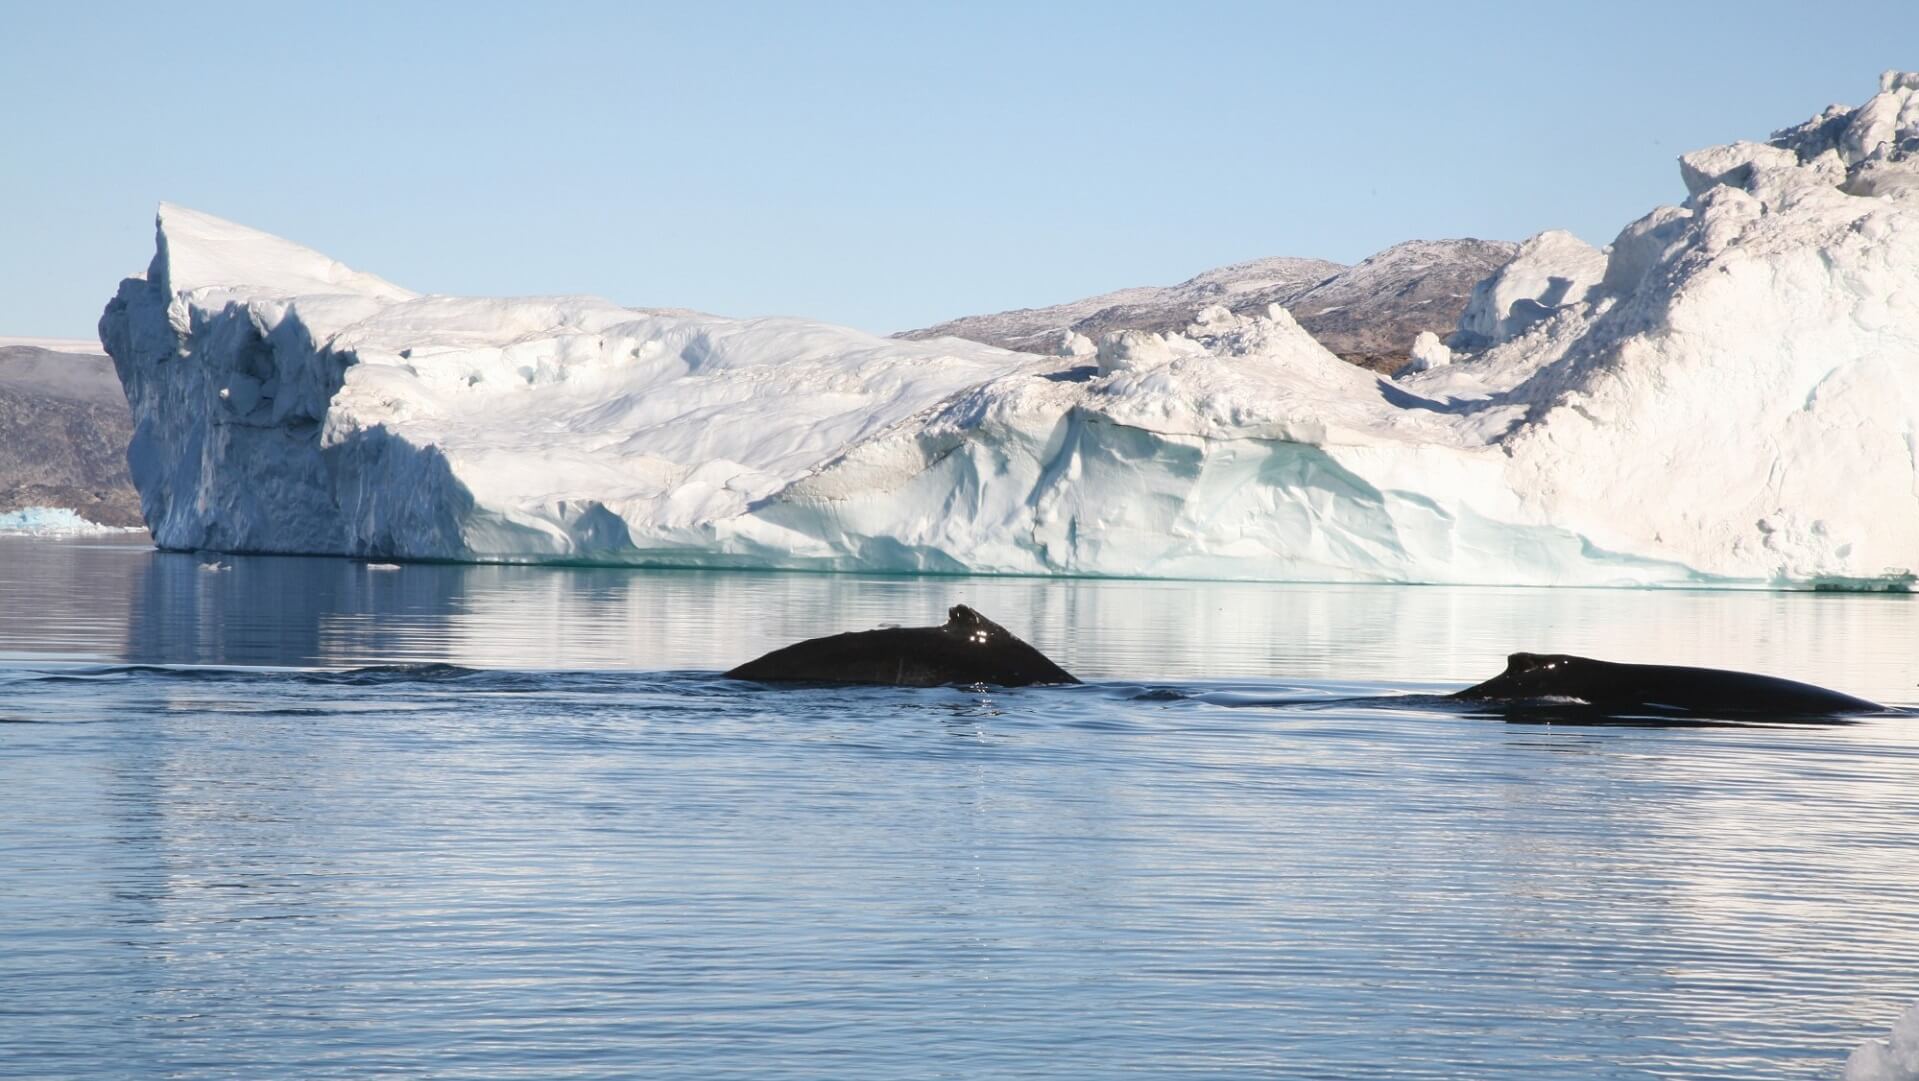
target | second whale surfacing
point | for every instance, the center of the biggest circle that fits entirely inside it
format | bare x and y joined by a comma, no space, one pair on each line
968,648
1615,688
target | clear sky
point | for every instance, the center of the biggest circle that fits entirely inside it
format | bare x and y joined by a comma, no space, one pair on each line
884,165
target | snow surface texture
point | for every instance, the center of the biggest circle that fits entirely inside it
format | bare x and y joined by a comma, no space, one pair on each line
1893,1059
1729,403
52,522
1551,271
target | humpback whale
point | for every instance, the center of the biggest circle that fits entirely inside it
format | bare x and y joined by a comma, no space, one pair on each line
1659,688
968,648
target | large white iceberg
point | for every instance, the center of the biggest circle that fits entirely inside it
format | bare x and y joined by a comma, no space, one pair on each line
1550,271
1728,399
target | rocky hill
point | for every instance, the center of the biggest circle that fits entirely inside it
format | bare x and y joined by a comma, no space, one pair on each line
1151,307
1368,314
64,427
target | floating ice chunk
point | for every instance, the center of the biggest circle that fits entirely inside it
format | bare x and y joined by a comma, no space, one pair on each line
1724,399
1895,1058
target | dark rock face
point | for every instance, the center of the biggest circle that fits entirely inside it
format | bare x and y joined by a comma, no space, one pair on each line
1157,308
1368,313
64,428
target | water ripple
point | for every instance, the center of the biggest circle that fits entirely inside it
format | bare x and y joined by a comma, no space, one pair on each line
449,865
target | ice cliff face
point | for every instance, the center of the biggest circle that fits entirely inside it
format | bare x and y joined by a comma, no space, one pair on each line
1724,401
1739,381
286,403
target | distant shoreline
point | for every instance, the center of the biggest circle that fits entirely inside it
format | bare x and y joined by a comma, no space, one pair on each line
56,345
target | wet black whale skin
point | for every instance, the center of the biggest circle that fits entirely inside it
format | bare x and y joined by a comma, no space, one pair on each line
1610,686
968,648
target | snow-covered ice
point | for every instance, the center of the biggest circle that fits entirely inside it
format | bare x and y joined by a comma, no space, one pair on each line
1723,396
1550,271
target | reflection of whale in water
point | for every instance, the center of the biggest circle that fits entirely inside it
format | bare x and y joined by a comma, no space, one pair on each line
1609,688
969,648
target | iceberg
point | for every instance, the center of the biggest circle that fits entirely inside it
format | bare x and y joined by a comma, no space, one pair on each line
53,522
1720,397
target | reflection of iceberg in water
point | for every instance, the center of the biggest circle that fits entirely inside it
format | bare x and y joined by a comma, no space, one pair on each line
269,610
1618,900
120,601
338,613
68,598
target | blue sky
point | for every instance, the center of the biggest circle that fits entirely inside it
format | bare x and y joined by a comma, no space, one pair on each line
881,165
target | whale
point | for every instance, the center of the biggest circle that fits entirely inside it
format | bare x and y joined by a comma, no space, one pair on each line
1658,689
967,649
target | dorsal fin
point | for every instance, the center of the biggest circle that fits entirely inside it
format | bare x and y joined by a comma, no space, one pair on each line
963,620
1524,663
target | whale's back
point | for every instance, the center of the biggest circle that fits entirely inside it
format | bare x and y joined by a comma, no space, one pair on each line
1659,687
968,648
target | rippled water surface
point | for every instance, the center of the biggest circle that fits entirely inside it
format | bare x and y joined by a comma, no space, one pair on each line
307,818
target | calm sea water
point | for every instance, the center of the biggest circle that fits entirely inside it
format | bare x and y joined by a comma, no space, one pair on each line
302,818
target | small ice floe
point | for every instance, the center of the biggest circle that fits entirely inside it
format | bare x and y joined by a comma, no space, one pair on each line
1895,1058
383,566
52,522
216,566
